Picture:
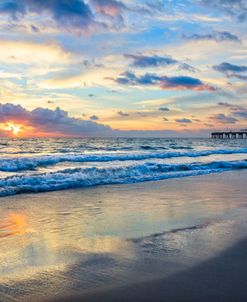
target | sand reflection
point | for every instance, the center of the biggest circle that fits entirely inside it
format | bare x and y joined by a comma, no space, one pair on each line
14,224
37,241
85,239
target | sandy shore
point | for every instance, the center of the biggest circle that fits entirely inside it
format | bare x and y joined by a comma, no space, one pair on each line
173,240
223,278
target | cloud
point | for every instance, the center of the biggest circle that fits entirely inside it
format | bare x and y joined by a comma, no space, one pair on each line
71,15
94,118
10,112
218,36
43,122
232,71
230,106
143,61
223,119
34,29
241,113
183,120
123,113
158,5
51,122
185,66
225,104
236,110
116,8
22,52
110,8
238,76
164,109
227,67
75,16
235,8
163,82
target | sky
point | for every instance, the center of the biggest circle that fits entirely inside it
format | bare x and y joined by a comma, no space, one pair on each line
163,68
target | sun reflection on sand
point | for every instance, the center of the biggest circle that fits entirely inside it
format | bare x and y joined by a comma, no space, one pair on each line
31,245
14,224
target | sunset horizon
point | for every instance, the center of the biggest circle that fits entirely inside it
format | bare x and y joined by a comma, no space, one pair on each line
27,126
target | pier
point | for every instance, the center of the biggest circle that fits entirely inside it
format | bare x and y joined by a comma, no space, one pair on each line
229,135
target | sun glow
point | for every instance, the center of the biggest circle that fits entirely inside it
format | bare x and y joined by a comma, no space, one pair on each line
13,128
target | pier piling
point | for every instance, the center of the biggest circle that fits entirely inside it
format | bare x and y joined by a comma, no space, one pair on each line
229,135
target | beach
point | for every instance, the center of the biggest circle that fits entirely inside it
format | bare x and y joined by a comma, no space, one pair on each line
172,240
123,151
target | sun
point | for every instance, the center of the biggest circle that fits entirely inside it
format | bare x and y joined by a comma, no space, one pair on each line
13,128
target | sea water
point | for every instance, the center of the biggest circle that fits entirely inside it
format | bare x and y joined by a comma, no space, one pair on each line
39,165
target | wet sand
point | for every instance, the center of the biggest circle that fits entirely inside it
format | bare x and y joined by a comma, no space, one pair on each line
173,240
223,278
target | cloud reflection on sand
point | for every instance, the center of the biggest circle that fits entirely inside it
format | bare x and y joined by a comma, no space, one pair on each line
14,224
31,247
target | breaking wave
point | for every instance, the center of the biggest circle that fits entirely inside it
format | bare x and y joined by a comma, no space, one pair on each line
30,163
85,177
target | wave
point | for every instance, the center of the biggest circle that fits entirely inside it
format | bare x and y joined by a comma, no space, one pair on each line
30,163
147,147
85,177
181,148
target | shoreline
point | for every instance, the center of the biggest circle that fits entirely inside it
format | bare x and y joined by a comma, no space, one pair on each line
138,240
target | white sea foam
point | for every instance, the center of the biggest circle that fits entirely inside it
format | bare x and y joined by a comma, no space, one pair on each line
15,164
84,177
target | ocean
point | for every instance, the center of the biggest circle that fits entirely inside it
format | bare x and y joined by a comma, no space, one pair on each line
40,165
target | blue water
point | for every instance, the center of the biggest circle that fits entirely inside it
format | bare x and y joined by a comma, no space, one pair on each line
39,165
